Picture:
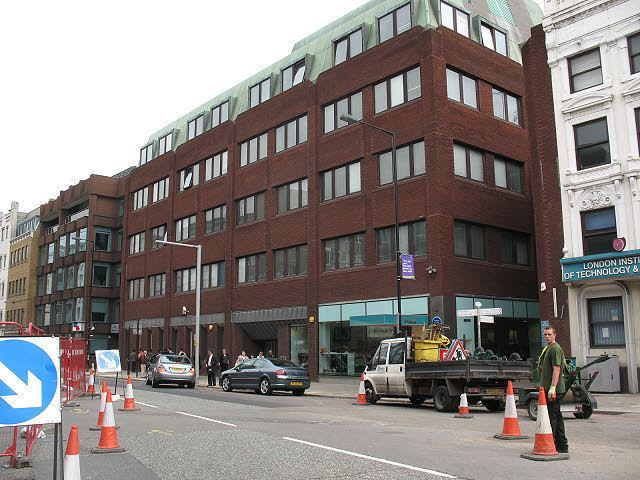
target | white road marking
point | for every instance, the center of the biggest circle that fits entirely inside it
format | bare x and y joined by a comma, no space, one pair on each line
375,459
146,404
207,419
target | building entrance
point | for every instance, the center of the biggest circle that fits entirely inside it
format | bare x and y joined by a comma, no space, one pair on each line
506,336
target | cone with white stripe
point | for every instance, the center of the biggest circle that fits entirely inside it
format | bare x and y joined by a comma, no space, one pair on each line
72,456
129,401
463,409
510,425
544,448
91,390
362,394
103,402
108,436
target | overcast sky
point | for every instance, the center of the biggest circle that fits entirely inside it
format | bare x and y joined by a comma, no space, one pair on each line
85,83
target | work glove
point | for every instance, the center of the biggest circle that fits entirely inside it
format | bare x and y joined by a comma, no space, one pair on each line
552,393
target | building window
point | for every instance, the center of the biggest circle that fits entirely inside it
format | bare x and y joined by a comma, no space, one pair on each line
195,127
49,287
101,274
71,277
146,154
117,275
606,322
293,75
215,166
189,177
493,39
585,70
506,106
68,311
469,240
348,46
158,233
260,92
468,162
80,277
136,288
62,247
598,230
51,253
344,252
292,196
454,19
394,23
186,228
462,88
341,181
410,162
592,144
185,280
140,198
160,190
290,262
413,240
397,90
72,243
636,113
250,209
219,114
213,275
634,53
59,281
351,105
79,309
291,134
157,285
252,268
102,241
215,219
82,240
100,310
508,174
136,243
164,144
253,150
515,248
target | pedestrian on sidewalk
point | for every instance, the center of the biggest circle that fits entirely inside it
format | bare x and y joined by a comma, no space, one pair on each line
225,361
242,358
143,362
551,364
211,364
133,358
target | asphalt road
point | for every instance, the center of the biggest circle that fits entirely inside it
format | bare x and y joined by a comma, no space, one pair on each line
206,433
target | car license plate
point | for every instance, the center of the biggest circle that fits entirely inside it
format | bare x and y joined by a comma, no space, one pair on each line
179,370
296,384
494,391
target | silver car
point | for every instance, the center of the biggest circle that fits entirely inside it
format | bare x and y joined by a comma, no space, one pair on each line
170,368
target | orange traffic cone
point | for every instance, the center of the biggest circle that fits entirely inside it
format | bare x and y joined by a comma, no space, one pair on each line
510,426
463,409
129,401
108,437
72,456
91,390
103,401
362,395
544,448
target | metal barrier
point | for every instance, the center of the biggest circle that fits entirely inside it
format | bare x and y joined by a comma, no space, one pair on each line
73,358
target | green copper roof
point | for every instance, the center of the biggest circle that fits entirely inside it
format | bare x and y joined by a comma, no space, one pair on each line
500,8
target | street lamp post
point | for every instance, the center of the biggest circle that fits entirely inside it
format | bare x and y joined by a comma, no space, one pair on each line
394,169
198,248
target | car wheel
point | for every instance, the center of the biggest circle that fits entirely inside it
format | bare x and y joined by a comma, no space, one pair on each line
442,400
298,392
372,398
585,413
226,384
154,383
417,399
532,409
493,405
148,380
191,385
265,386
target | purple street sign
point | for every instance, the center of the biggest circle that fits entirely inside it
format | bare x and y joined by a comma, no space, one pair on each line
408,269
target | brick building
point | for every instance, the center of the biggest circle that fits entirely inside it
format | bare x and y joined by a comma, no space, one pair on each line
78,269
294,209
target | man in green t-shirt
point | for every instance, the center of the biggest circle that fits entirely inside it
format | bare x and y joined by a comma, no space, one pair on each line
550,365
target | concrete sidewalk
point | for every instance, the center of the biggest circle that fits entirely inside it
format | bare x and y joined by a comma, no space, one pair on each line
347,387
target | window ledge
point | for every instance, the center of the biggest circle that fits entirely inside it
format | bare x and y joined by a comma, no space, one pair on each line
295,210
211,234
288,149
260,160
289,278
476,261
337,199
248,224
397,107
592,176
338,271
340,129
246,284
416,178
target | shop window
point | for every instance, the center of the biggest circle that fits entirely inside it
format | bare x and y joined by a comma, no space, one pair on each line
598,230
606,322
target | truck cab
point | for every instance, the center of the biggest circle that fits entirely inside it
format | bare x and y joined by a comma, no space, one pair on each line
385,373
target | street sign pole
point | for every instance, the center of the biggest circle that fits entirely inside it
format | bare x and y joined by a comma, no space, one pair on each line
478,312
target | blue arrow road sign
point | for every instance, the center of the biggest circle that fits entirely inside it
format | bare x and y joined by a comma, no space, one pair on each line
437,321
29,381
108,361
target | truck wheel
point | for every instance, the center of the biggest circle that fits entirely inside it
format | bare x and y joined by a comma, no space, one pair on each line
586,412
372,398
417,399
442,400
493,405
532,409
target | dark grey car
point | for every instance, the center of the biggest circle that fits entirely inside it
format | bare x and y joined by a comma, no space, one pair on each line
264,375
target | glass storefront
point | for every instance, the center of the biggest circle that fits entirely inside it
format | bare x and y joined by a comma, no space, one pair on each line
300,345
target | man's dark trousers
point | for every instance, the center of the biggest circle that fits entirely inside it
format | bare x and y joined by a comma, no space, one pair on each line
211,377
557,425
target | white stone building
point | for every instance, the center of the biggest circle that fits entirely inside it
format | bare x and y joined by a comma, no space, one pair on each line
8,224
594,56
